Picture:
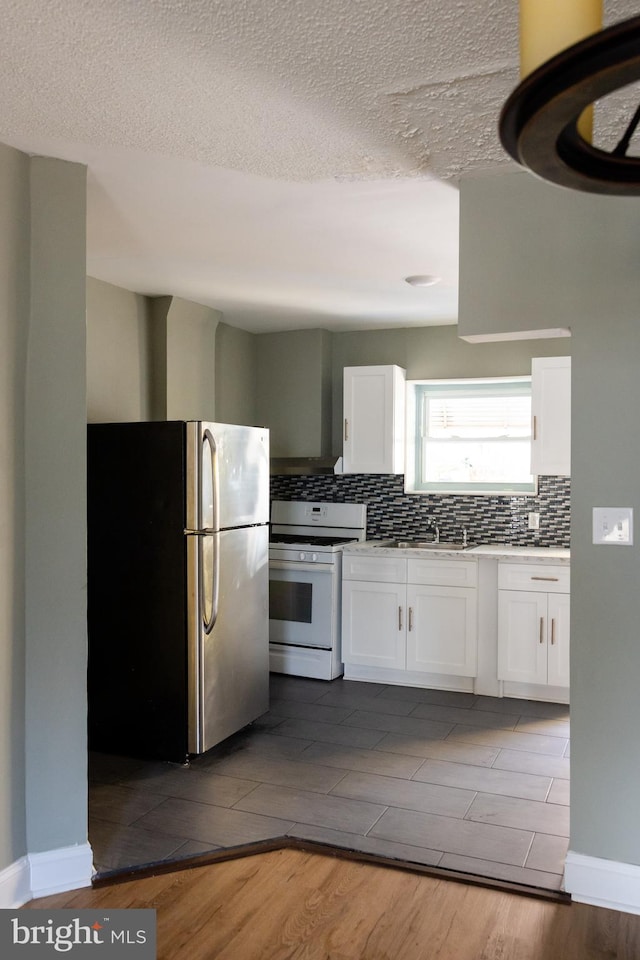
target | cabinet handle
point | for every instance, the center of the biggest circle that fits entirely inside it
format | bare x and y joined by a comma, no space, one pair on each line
410,618
535,428
553,631
399,618
550,579
346,429
541,629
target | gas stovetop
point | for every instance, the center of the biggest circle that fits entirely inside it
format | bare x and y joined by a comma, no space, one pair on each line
323,528
299,525
300,540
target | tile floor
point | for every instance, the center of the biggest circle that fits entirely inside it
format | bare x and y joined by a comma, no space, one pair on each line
474,784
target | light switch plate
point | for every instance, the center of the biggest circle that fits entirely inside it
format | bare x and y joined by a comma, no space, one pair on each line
613,525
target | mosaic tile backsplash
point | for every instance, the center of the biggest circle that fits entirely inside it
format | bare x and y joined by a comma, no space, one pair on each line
394,514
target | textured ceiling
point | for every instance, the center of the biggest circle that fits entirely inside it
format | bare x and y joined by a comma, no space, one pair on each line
287,162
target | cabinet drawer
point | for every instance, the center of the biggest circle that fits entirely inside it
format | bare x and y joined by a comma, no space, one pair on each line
545,578
443,572
382,569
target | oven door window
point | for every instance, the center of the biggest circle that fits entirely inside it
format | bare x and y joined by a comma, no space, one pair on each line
290,601
302,605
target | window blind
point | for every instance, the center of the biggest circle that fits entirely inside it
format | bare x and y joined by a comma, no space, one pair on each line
476,417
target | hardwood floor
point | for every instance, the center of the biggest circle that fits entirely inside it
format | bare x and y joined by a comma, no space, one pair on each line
296,905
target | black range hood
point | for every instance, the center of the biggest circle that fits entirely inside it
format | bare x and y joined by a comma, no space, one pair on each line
302,466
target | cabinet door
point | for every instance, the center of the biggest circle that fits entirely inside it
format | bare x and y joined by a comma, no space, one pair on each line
522,636
373,426
373,624
558,634
551,409
441,630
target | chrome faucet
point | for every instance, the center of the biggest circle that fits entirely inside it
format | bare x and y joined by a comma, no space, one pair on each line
465,541
437,536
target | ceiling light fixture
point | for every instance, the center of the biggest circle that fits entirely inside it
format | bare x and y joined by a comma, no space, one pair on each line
422,280
542,124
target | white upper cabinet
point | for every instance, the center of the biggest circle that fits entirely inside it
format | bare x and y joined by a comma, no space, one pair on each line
373,422
551,410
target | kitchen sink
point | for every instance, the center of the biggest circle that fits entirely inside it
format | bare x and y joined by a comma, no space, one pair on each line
424,545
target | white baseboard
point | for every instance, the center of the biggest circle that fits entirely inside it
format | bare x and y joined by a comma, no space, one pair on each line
14,885
41,874
55,871
603,883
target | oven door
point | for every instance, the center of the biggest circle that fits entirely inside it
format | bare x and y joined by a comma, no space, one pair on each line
302,598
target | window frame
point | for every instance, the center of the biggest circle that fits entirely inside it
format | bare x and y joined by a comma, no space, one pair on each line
414,440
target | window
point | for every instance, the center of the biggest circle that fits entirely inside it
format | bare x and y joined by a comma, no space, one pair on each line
470,436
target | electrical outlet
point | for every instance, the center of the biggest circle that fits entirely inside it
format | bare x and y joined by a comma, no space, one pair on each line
534,521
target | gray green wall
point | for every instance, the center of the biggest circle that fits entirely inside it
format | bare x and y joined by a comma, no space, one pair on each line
438,352
537,256
158,310
293,391
605,606
148,358
191,349
43,644
14,327
432,353
298,374
181,360
118,354
289,381
56,535
235,376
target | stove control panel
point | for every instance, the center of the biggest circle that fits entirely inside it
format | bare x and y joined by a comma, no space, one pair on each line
315,512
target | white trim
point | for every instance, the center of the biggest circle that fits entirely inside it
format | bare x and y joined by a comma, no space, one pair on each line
518,335
546,693
304,661
56,871
603,883
408,678
14,885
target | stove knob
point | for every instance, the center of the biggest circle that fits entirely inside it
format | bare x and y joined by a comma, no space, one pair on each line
314,557
303,556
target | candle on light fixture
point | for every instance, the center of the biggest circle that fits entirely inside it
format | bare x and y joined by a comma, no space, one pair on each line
549,26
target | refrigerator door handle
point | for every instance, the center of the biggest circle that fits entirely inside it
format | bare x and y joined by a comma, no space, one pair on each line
215,585
209,622
208,440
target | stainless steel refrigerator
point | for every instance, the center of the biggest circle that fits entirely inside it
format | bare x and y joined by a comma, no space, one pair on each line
177,585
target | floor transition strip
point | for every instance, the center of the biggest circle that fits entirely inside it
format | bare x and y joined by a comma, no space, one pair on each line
292,843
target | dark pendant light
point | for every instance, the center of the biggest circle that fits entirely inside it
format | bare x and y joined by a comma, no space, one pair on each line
538,123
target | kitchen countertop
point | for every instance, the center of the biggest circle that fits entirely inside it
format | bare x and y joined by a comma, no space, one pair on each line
503,551
491,551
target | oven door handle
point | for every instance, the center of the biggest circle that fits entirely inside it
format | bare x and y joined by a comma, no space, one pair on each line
298,566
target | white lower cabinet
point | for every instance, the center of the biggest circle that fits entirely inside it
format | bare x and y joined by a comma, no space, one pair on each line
373,631
441,629
533,624
420,621
423,623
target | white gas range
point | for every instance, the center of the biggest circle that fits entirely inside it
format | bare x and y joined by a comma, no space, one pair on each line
305,584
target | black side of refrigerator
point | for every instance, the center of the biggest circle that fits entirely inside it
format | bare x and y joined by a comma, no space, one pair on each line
137,590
